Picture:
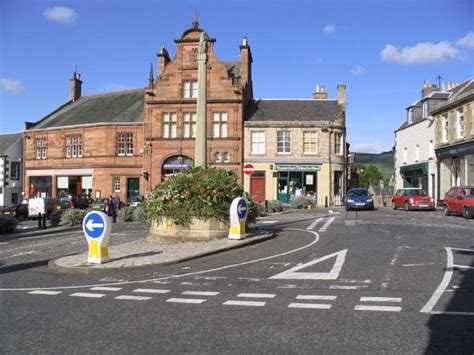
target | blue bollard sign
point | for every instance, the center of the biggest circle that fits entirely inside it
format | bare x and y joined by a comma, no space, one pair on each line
96,227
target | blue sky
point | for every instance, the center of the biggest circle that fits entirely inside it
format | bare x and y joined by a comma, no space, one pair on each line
382,51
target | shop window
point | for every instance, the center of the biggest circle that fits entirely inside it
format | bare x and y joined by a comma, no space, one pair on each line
74,146
125,144
117,184
41,148
14,170
219,124
189,119
257,145
170,125
284,142
310,144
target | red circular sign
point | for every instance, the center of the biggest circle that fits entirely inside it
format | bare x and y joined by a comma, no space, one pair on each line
248,169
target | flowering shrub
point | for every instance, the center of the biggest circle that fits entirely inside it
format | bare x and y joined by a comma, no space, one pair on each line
72,217
199,192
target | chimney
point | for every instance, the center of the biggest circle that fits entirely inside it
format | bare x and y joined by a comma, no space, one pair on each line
428,89
341,95
246,67
76,85
163,60
320,93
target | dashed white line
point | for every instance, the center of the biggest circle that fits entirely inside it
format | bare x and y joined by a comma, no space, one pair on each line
186,300
453,313
244,303
200,293
327,224
151,290
380,299
256,295
316,297
102,288
377,308
310,305
87,295
267,222
133,298
342,287
312,225
45,292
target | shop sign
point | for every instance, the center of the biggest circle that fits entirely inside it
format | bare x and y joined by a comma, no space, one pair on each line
281,167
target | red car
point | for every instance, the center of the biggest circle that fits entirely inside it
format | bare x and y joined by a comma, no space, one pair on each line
412,199
459,200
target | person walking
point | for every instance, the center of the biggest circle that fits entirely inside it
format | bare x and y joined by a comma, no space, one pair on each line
111,210
117,201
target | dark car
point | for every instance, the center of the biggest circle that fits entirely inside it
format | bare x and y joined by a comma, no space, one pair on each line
74,201
17,210
134,201
359,199
460,200
98,204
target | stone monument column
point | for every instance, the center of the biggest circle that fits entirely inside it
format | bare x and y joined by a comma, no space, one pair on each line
200,152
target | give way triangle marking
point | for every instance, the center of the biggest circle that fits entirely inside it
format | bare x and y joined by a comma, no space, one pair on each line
292,274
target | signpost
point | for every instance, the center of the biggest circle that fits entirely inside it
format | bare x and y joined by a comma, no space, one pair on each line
249,169
238,217
96,227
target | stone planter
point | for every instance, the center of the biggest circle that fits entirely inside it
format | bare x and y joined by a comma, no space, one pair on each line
167,231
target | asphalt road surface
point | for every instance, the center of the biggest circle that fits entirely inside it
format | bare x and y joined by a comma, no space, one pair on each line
354,282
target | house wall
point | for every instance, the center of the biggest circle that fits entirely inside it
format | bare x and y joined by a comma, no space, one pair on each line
11,189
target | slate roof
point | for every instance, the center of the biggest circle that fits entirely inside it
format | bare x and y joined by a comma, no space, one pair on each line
267,110
7,140
458,93
118,107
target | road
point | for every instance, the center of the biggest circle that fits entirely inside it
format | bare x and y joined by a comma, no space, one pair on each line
354,282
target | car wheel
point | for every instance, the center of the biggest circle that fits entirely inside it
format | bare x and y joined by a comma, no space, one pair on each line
394,206
407,206
446,210
467,213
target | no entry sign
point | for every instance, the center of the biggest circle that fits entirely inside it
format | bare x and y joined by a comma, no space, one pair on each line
248,169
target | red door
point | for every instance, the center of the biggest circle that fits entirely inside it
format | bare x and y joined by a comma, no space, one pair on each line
257,187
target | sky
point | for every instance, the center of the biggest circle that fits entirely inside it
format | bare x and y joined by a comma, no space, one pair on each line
381,50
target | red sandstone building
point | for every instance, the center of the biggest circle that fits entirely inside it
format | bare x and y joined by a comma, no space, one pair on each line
129,141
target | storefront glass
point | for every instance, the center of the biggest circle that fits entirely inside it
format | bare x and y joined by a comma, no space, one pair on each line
295,181
40,186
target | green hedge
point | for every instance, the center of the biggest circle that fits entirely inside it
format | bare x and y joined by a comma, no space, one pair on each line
7,224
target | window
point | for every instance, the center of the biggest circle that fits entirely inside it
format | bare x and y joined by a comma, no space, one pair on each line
125,144
169,125
117,185
218,157
74,146
310,143
284,142
410,115
190,89
226,157
425,109
460,125
445,128
189,119
15,170
41,148
219,124
338,143
417,152
257,145
431,149
405,155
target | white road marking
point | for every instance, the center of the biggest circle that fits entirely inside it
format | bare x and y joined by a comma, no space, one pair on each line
200,293
40,292
377,308
133,298
4,243
257,295
267,222
453,313
463,267
88,295
327,224
161,280
423,264
428,307
350,222
316,297
355,281
312,225
292,273
249,279
101,288
244,303
310,305
380,299
151,290
186,283
343,287
20,254
186,300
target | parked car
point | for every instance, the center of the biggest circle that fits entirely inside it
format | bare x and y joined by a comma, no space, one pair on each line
360,199
47,205
17,210
412,199
134,201
98,204
75,201
459,200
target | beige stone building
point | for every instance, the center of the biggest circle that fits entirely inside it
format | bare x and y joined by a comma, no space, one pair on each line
297,148
454,137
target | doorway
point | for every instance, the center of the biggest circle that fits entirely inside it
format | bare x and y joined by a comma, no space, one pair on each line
257,186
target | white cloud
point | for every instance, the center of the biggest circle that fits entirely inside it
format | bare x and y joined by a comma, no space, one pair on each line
466,41
13,86
59,14
420,53
329,29
358,70
373,147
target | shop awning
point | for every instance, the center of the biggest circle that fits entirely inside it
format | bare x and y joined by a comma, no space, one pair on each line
414,169
455,152
297,167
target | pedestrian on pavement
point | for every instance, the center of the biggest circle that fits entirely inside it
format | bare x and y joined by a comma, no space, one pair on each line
111,210
117,201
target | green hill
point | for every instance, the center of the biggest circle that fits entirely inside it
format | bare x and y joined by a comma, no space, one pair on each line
384,161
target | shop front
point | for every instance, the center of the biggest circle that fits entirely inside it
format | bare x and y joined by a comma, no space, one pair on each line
415,175
457,164
175,164
296,180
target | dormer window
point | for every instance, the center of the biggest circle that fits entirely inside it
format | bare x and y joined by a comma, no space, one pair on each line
425,109
410,116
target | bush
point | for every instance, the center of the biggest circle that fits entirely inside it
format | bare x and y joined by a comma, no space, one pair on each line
274,206
125,214
139,215
72,217
302,202
7,224
254,209
198,192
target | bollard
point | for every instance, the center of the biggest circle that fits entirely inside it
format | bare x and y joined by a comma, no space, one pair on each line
326,202
266,205
39,220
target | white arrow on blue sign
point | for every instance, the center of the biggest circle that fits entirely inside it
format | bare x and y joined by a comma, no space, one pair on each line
94,224
242,209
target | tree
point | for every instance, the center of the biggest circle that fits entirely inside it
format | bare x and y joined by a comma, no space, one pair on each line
370,175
